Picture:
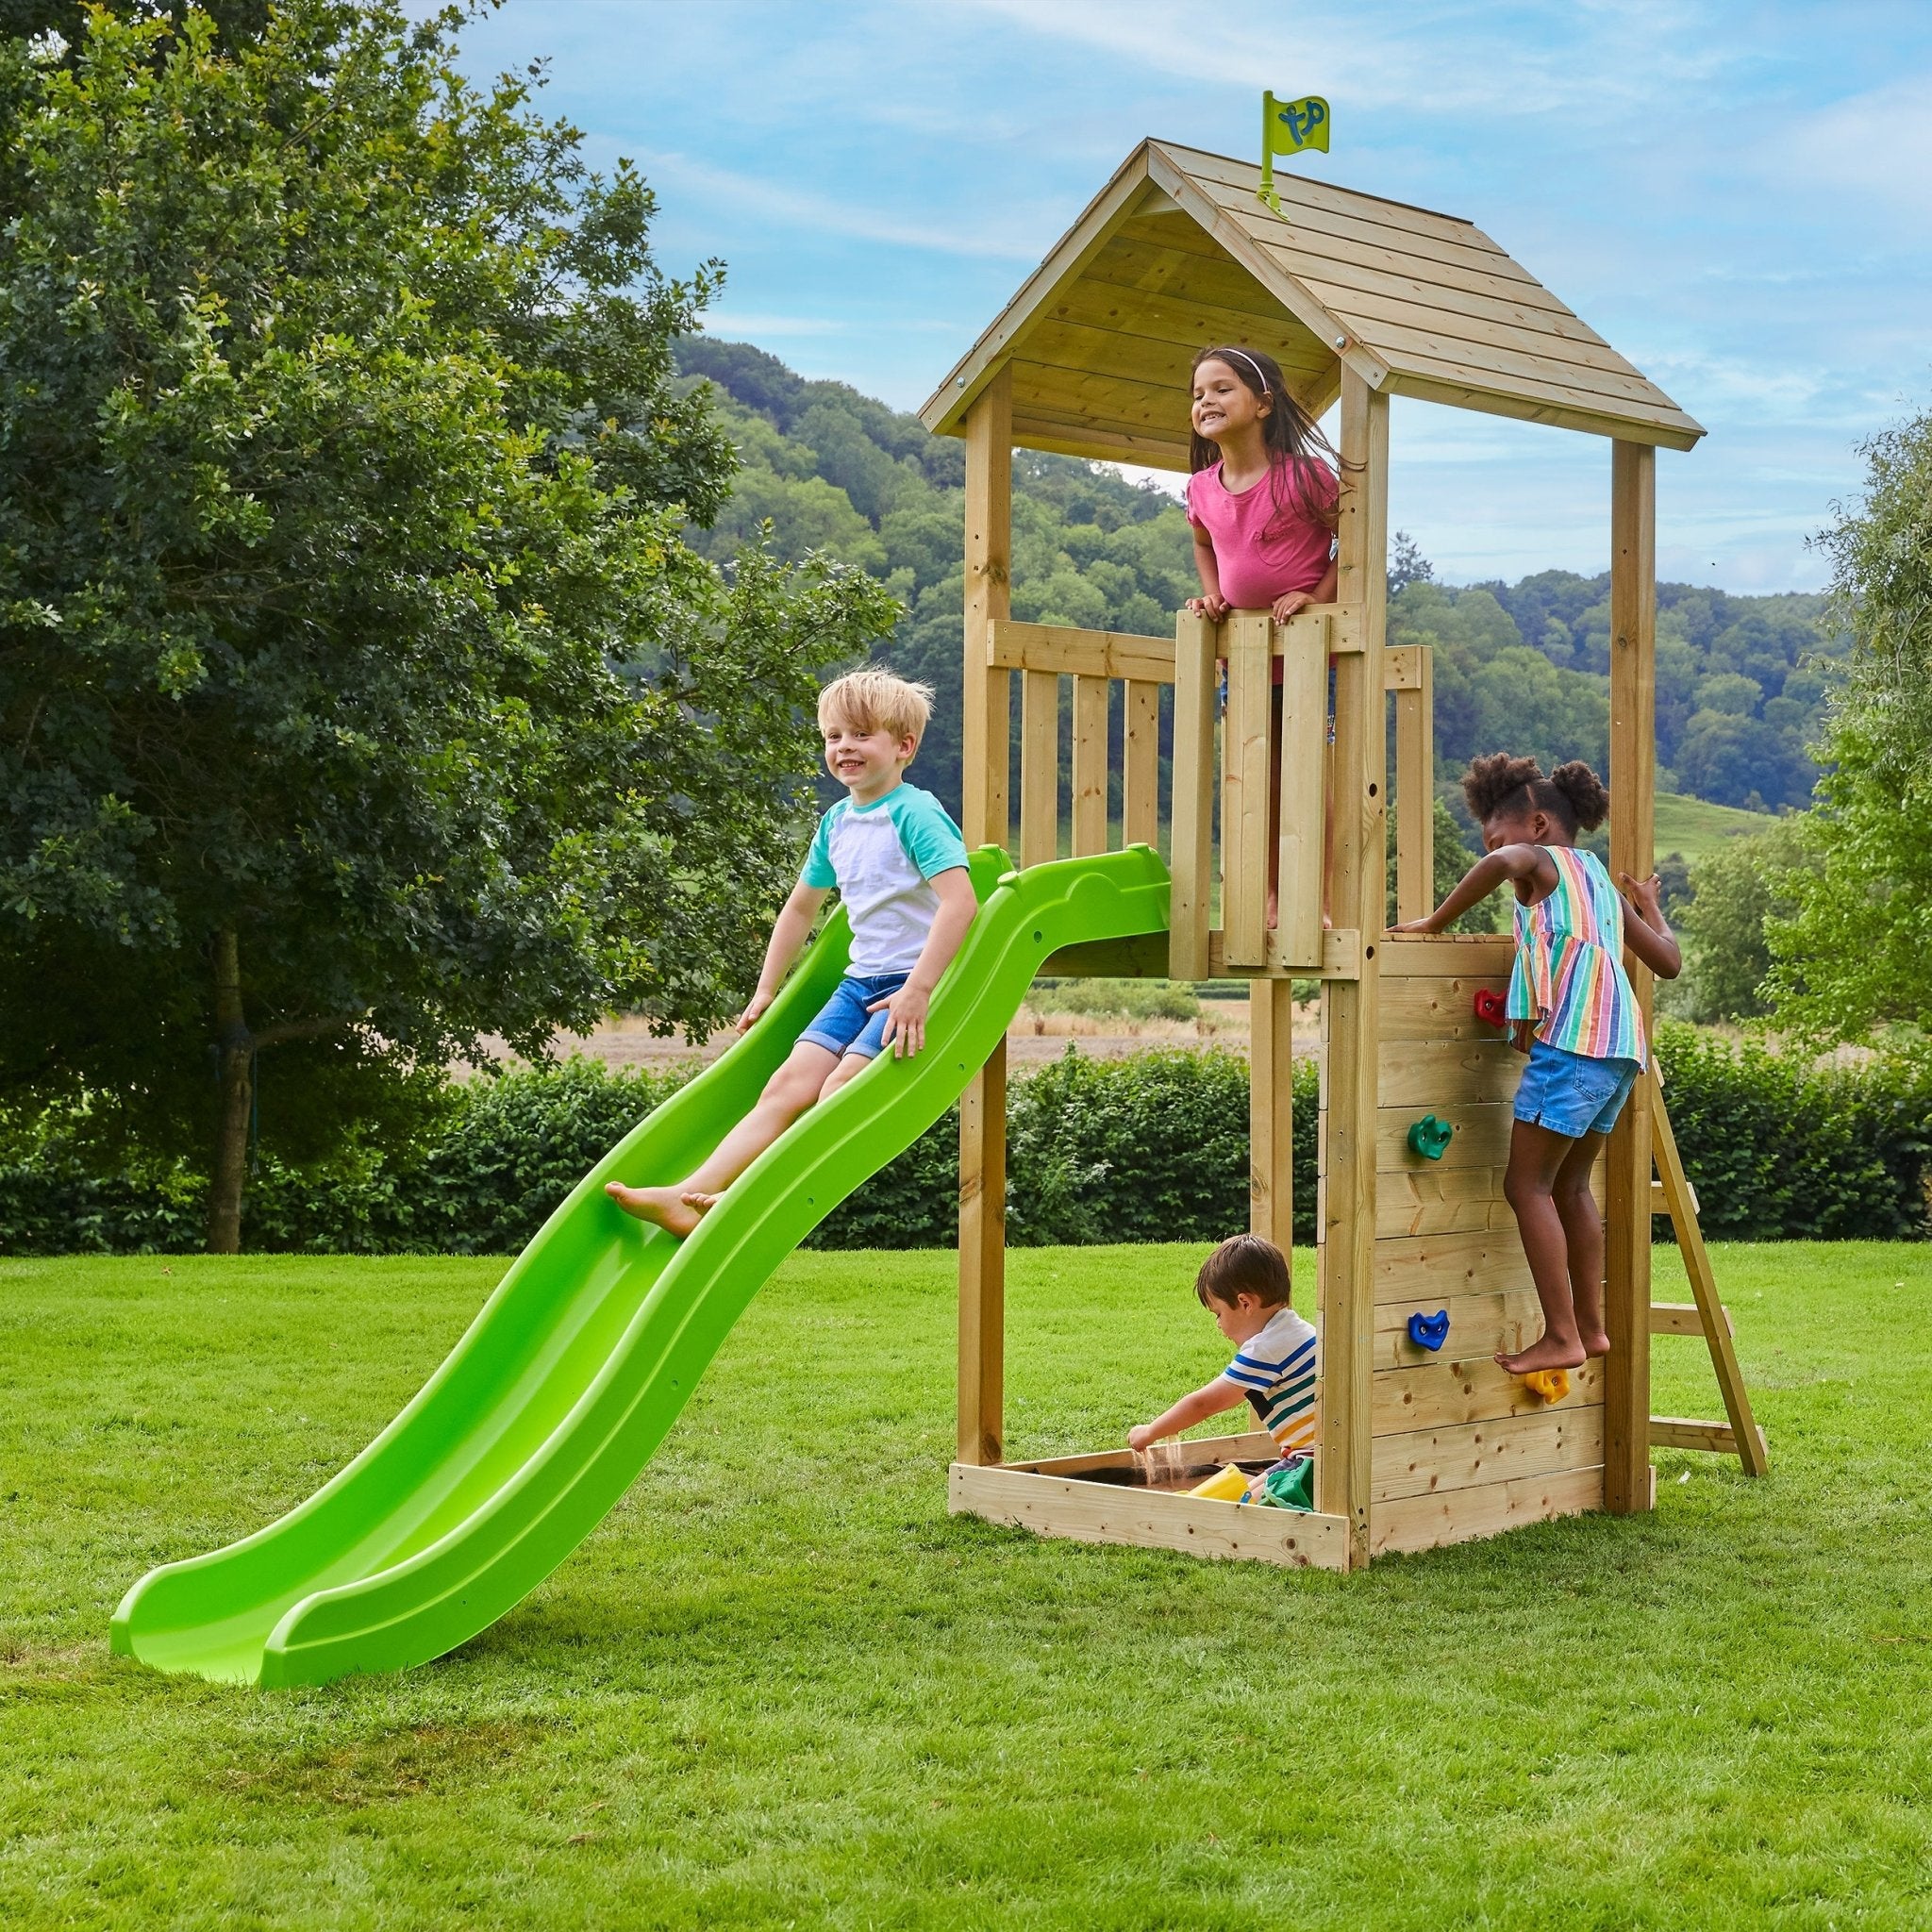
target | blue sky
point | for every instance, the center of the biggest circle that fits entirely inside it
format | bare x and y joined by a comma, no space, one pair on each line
1739,196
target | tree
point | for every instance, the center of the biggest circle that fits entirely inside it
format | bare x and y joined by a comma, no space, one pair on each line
358,695
1453,858
1855,952
1736,889
60,26
1406,564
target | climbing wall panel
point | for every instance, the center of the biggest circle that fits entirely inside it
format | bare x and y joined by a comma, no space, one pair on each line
1461,1448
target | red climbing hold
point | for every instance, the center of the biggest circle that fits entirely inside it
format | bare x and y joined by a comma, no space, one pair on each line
1491,1009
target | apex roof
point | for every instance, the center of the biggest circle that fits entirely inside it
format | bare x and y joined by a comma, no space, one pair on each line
1177,252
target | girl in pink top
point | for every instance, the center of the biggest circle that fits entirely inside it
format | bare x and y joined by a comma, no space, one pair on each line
1262,503
1262,499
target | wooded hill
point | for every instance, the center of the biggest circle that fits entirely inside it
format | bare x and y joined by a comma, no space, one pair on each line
1521,666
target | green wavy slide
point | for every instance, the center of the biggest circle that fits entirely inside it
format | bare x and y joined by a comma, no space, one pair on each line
581,1361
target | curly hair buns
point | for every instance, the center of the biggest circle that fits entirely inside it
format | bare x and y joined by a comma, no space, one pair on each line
1590,802
1501,785
1491,784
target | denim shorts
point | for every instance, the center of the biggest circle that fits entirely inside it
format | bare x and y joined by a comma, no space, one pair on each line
843,1025
1570,1094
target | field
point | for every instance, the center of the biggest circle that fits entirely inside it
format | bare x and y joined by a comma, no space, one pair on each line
779,1686
1695,827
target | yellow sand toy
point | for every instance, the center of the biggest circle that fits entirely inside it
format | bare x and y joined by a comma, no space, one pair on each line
1228,1484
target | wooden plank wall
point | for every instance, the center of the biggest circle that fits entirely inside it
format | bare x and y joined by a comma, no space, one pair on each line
1461,1449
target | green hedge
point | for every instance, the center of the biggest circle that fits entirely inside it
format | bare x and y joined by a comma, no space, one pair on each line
1153,1147
1777,1150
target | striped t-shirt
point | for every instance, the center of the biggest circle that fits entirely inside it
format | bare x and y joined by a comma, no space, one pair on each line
1275,1371
1569,975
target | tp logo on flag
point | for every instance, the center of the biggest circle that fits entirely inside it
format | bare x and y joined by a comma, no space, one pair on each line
1288,127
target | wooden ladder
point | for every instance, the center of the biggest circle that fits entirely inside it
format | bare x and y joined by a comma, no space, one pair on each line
1670,1193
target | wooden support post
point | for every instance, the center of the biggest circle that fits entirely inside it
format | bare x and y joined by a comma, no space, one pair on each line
1271,1112
1713,1321
1089,766
1194,641
1302,756
1351,1007
1633,825
985,820
1245,778
1140,765
1415,791
986,719
1039,767
983,1262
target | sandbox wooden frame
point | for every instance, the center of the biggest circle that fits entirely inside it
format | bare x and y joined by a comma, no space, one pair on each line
1359,299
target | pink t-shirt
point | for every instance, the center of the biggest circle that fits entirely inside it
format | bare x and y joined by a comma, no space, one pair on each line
1257,564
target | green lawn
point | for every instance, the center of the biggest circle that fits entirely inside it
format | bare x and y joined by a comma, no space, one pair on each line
1696,828
780,1687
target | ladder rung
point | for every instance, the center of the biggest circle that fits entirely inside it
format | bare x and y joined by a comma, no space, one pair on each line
1657,1197
1678,1432
1681,1318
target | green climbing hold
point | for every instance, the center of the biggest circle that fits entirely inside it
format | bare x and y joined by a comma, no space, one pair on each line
1429,1136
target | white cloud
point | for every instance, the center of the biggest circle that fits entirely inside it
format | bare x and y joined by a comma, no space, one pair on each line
1006,239
740,324
1876,145
1593,62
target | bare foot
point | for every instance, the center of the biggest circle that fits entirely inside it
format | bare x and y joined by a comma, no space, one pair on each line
1542,1355
696,1197
1595,1342
664,1208
1272,916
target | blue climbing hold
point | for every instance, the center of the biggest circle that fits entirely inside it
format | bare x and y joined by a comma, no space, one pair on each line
1429,1136
1429,1331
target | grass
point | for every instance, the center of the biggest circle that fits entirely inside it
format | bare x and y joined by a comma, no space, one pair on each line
779,1686
1695,827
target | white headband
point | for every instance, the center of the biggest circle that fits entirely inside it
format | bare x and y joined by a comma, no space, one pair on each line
1267,389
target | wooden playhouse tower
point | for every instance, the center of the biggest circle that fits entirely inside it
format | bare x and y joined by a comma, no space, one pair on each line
1358,299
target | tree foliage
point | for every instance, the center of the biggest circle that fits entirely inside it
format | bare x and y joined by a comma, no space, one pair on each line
1856,951
1452,855
832,467
1524,666
359,693
1736,888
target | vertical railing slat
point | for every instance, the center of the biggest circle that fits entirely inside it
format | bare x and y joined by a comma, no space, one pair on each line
1089,766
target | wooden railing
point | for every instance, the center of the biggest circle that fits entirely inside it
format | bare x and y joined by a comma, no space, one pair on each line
1252,747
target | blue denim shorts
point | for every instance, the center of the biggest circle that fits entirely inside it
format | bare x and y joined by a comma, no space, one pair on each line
1570,1094
843,1025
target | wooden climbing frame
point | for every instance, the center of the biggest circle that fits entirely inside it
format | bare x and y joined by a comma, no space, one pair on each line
1359,299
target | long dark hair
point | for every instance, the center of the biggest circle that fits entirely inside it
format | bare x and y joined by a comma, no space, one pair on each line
1291,436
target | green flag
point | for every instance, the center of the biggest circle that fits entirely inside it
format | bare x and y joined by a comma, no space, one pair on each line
1288,127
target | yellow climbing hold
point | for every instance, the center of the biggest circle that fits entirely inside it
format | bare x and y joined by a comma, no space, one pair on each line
1551,1384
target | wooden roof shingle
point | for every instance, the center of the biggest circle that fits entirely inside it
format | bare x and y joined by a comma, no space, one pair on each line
1177,252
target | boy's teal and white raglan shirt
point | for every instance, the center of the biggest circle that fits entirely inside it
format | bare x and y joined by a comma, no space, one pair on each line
881,856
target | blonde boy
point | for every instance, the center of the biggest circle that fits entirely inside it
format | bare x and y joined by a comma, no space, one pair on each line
899,863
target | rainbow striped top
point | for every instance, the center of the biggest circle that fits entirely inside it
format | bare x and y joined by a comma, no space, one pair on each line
1569,975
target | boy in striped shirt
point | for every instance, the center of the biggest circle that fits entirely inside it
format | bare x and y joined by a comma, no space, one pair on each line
1244,1284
